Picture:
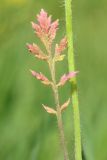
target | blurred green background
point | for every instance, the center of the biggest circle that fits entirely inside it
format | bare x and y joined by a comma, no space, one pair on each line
27,132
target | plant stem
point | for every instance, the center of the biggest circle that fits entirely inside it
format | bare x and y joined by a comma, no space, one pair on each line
59,115
68,12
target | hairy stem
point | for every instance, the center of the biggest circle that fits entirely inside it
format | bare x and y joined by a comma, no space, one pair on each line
77,131
59,115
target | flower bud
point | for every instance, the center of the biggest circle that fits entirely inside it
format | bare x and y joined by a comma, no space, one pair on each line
49,110
65,105
61,47
36,51
41,77
66,77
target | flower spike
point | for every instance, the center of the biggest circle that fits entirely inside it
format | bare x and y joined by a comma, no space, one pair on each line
45,29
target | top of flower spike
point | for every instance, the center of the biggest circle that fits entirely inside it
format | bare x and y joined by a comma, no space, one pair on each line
45,27
44,20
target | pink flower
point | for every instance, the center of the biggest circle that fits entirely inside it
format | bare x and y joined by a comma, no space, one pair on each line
61,47
40,77
53,29
67,77
36,51
45,28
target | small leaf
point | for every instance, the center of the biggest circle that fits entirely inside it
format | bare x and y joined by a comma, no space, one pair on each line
64,106
49,110
42,57
59,57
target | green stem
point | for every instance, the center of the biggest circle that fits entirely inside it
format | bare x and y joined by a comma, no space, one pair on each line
68,12
59,115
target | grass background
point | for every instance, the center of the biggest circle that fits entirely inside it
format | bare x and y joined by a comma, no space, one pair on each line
27,132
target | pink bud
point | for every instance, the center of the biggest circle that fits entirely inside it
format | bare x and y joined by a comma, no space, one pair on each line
49,110
65,105
37,29
53,29
43,13
61,47
36,51
41,77
67,77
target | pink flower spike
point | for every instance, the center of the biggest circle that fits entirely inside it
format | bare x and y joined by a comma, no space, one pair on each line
62,46
45,29
40,77
67,77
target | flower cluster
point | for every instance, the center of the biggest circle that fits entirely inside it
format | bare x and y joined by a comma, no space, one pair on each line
46,30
